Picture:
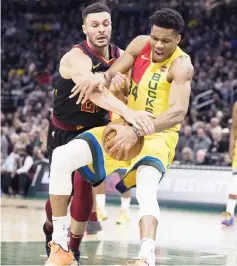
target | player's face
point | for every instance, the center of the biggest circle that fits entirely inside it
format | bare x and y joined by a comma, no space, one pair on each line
97,28
163,42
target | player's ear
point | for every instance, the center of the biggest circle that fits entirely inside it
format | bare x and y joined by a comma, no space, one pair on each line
178,39
84,28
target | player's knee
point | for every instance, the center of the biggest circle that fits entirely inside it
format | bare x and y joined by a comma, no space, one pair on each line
148,179
60,173
148,204
60,158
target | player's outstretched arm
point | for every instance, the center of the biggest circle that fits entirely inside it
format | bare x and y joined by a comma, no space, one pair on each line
140,119
233,131
180,89
119,69
77,66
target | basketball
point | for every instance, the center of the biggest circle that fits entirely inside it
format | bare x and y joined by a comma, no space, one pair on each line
108,135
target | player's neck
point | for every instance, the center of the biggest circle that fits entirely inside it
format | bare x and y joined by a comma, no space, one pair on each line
103,51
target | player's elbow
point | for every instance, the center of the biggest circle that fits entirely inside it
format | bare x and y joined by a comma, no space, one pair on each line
180,113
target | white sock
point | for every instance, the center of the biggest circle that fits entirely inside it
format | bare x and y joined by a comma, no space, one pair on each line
147,250
230,207
125,203
60,231
100,201
148,244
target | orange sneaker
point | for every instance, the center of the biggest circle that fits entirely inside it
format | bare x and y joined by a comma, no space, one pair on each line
60,257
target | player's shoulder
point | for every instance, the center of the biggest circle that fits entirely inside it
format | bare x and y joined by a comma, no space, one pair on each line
137,45
183,62
140,41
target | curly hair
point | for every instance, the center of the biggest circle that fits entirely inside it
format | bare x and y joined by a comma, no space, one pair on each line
169,19
94,8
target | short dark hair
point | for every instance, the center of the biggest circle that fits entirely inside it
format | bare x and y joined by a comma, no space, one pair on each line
94,8
169,19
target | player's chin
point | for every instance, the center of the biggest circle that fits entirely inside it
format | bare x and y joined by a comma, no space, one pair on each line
102,44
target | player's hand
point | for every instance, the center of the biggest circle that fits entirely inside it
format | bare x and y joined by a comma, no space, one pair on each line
142,120
124,140
87,87
116,82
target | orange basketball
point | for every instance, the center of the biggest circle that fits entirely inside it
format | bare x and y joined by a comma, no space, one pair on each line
108,135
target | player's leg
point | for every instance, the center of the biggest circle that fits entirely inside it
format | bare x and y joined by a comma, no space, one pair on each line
125,206
147,181
93,225
231,203
100,202
48,225
232,197
65,160
81,206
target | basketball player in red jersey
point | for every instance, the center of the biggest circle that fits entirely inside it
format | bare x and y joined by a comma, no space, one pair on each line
82,63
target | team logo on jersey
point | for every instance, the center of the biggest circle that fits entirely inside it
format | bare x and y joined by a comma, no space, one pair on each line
145,58
94,67
163,68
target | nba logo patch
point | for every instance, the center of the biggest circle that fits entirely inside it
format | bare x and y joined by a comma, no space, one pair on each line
163,68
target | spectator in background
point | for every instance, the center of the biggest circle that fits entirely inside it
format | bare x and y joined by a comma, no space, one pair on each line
8,170
202,142
187,140
215,125
24,171
187,157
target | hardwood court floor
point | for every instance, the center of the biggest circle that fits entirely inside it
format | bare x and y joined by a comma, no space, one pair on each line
183,238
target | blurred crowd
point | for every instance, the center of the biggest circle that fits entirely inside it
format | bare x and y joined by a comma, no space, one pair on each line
35,34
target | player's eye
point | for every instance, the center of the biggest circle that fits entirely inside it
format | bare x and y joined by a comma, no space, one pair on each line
94,25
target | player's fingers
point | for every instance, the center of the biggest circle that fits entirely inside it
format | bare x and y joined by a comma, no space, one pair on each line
74,88
77,88
82,95
117,147
136,125
120,153
147,122
110,144
74,93
143,126
87,94
149,114
125,154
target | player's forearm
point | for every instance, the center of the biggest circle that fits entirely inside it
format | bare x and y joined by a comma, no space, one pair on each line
79,77
109,102
119,95
169,119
